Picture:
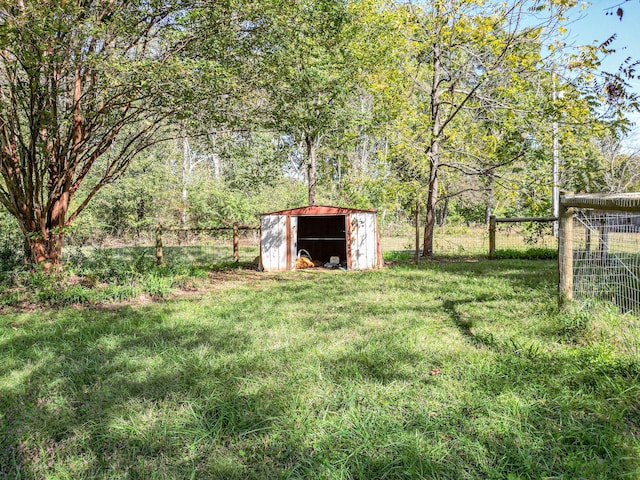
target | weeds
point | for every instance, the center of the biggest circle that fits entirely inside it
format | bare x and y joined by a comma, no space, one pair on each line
104,278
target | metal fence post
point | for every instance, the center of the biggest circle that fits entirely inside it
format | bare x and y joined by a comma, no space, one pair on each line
565,254
159,244
492,236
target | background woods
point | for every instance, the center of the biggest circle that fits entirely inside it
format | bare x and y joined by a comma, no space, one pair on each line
118,116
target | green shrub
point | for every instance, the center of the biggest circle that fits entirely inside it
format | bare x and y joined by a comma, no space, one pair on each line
11,243
528,254
399,256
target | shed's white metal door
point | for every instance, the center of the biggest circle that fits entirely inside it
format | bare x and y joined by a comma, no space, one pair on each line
363,241
273,242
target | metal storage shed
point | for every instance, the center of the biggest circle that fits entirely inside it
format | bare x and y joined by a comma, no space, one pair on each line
322,231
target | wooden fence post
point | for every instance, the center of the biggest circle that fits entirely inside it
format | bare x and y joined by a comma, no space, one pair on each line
565,254
159,244
492,236
417,228
236,249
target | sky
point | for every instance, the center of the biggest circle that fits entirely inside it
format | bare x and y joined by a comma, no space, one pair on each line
597,22
589,23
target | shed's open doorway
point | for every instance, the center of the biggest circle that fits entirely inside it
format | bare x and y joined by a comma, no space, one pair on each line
323,236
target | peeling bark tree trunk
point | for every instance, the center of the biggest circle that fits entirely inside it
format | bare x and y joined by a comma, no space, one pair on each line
44,234
64,108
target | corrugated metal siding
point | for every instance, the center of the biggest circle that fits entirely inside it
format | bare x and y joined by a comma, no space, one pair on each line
273,242
279,241
363,239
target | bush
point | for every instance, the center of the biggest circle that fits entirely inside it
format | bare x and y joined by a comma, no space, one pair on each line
11,243
528,254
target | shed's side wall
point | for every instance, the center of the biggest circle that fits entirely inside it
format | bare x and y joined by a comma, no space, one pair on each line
364,241
273,243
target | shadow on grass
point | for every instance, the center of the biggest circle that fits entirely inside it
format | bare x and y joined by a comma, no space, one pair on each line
92,392
584,401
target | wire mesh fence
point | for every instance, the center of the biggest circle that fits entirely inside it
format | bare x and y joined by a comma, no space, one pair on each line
449,240
194,246
519,238
240,243
527,237
202,246
461,240
606,257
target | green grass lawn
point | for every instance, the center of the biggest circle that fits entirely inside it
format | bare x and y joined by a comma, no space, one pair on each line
445,371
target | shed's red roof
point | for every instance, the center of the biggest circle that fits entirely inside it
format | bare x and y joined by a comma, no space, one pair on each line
319,210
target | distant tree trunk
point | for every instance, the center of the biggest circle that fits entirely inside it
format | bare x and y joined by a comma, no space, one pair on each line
217,165
214,157
417,232
489,205
186,179
312,167
432,200
443,212
141,212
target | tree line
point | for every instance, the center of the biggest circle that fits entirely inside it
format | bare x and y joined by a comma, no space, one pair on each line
122,114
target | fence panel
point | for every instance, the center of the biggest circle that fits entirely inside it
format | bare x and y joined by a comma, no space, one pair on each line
600,249
509,237
606,257
504,237
239,243
196,246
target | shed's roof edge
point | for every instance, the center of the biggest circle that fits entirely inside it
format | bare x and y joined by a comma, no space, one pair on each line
318,210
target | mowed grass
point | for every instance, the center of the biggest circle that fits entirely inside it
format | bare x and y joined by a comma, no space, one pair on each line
444,371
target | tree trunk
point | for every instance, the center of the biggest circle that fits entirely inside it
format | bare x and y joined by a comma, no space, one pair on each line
186,171
186,178
312,167
443,212
47,252
417,232
432,200
44,234
433,151
490,201
217,165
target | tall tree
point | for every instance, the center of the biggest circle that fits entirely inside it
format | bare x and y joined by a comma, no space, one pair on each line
79,81
460,51
311,72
